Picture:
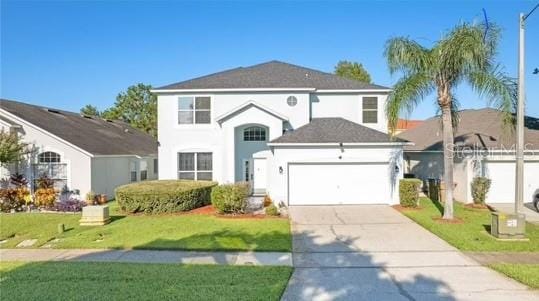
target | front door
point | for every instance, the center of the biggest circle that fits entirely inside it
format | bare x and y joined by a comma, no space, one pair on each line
260,175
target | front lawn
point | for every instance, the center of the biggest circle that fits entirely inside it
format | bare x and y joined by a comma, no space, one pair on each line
472,234
525,273
123,281
187,232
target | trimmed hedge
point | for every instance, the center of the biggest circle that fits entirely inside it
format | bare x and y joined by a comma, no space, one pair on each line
164,196
480,188
230,198
409,192
272,210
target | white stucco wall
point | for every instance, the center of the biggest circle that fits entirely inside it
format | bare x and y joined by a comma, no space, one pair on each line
348,106
112,171
78,162
282,156
218,138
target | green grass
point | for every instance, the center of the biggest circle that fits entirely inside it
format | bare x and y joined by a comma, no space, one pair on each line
125,281
472,234
187,232
525,273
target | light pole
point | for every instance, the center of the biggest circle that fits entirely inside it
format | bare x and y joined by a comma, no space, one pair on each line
519,191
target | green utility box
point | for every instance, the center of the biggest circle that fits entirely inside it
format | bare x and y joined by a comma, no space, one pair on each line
508,226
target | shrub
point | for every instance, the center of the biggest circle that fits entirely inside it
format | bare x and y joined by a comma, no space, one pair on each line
45,197
9,199
409,192
272,210
163,196
267,201
480,187
230,198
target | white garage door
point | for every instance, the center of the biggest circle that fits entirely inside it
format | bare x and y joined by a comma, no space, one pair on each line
502,174
334,184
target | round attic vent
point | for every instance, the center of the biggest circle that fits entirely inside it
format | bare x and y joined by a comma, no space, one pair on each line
291,101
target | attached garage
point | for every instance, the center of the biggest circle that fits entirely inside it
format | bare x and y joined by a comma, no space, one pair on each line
502,175
339,183
333,161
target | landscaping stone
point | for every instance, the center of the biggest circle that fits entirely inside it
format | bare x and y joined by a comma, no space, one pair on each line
27,243
95,216
255,204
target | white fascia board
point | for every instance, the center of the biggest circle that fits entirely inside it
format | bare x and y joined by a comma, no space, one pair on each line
20,120
344,144
254,104
231,90
332,160
116,156
354,91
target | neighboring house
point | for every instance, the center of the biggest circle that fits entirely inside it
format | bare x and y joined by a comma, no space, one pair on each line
483,148
301,136
406,124
79,152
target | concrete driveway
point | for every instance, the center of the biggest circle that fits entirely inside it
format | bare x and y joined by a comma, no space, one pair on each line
376,253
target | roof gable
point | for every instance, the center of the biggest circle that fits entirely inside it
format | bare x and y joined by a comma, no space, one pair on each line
477,129
247,105
273,74
334,130
93,135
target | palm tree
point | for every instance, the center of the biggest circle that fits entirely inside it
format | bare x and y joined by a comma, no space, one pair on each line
464,54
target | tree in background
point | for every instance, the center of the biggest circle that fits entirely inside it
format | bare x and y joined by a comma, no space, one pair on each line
90,110
465,54
352,70
12,149
136,106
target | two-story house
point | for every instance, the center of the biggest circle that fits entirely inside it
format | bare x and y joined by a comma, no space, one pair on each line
302,136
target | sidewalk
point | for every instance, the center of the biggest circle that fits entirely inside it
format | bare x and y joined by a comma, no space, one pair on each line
148,256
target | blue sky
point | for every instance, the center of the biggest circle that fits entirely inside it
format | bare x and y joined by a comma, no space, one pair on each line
66,54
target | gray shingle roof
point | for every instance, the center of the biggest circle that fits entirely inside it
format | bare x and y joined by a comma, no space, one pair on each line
94,135
334,130
477,129
273,74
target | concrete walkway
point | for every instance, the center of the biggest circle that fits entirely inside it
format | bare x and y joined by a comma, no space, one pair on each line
375,253
532,216
147,256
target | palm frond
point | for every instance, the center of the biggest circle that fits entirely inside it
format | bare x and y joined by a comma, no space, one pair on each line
406,55
406,95
466,48
500,90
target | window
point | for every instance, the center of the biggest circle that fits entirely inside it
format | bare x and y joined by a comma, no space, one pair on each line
291,101
370,109
49,164
143,170
155,166
195,166
49,157
133,171
254,133
194,110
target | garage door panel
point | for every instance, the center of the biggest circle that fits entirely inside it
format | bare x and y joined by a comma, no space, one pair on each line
333,184
502,175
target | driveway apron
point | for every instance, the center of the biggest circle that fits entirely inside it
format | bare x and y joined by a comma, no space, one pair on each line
372,252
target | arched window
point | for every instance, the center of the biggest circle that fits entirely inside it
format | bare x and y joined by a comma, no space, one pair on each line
254,133
49,157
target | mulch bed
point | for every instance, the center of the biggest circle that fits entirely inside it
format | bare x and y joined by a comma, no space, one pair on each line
477,206
206,210
454,221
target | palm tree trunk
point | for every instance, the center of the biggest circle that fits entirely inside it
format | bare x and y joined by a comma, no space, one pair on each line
447,128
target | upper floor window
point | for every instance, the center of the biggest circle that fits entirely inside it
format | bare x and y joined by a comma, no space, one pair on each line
254,133
193,110
49,157
370,109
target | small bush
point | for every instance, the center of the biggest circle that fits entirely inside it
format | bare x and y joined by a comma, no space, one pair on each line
230,198
45,197
409,192
10,199
480,187
163,196
272,210
69,205
267,201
